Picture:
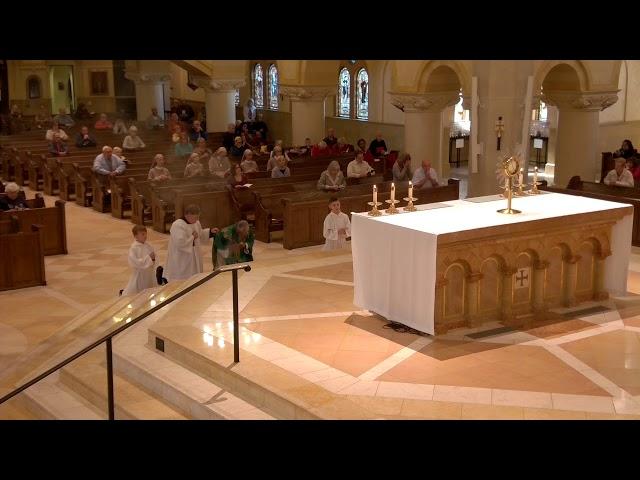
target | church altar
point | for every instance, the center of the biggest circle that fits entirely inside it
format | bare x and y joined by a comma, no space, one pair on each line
461,263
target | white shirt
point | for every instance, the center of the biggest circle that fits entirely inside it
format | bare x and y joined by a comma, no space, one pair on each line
624,180
356,170
133,142
143,275
184,257
50,133
419,175
332,223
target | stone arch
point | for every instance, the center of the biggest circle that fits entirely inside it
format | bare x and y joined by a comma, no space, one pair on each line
554,275
588,251
444,75
560,69
455,276
490,287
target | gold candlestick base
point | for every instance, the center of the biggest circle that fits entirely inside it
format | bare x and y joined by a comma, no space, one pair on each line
392,207
534,189
374,212
409,207
509,211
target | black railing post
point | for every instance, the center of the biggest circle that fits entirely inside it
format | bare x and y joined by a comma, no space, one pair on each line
112,414
236,327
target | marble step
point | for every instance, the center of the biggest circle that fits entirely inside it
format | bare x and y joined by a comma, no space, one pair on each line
87,378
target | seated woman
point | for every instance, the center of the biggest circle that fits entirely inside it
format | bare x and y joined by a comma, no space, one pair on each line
281,170
321,150
194,167
248,164
238,179
204,151
238,147
332,179
342,146
55,129
219,164
103,123
120,128
626,150
158,171
276,152
12,200
634,168
362,145
57,147
233,244
174,124
117,151
402,168
133,141
183,148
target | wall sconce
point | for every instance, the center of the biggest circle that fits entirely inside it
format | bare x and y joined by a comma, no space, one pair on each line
499,130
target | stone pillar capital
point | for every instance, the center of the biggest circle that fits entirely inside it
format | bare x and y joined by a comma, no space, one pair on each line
305,93
579,101
424,102
218,84
148,78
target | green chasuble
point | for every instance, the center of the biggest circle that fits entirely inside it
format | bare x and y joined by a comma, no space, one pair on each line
227,249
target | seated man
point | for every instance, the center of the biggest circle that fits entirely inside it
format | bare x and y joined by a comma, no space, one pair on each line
197,132
402,168
57,147
358,168
619,176
107,164
154,121
63,119
103,123
378,147
238,147
133,141
330,139
84,139
12,200
425,176
233,244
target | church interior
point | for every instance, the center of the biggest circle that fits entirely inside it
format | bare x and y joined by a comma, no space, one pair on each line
504,286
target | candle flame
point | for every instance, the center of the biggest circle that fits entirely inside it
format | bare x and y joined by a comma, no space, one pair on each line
410,184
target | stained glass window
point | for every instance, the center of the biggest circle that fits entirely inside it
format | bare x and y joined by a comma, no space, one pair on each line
258,86
237,97
344,93
273,87
362,94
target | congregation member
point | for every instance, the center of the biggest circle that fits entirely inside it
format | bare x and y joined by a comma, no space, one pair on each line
238,147
119,127
12,200
174,125
194,168
158,172
237,179
103,123
84,139
57,147
229,136
358,168
336,228
626,150
304,149
401,169
619,176
133,140
634,168
233,244
183,148
249,111
184,255
248,164
203,151
425,176
64,119
321,150
378,147
117,151
219,164
261,126
56,130
330,139
257,142
342,146
276,152
196,132
141,259
361,145
108,165
154,121
332,179
280,170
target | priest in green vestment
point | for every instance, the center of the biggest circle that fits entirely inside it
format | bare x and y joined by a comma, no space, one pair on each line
233,244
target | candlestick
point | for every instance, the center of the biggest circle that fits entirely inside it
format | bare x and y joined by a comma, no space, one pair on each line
535,176
520,177
393,192
410,189
375,194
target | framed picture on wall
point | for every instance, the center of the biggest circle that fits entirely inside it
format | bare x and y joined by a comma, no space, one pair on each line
99,85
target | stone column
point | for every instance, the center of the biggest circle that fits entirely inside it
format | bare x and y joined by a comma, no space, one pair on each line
507,293
570,279
307,111
219,101
423,125
599,292
539,272
577,148
471,310
438,321
149,92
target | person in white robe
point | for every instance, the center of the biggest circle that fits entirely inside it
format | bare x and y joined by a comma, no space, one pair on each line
337,227
142,258
184,256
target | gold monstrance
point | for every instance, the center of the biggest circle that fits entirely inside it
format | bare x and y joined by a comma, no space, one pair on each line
511,167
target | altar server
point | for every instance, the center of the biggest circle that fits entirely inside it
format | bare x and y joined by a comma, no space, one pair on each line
142,258
337,227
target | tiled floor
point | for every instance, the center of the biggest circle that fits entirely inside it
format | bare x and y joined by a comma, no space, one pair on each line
297,314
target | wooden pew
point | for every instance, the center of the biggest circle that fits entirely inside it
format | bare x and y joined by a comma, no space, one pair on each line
611,193
21,255
52,221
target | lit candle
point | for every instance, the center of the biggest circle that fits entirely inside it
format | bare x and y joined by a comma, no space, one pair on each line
520,177
410,189
535,176
393,192
375,195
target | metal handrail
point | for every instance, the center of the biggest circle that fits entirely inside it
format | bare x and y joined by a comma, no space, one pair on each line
107,338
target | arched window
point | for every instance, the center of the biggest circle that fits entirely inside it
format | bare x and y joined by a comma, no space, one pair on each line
273,87
237,97
362,94
33,87
344,93
258,86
